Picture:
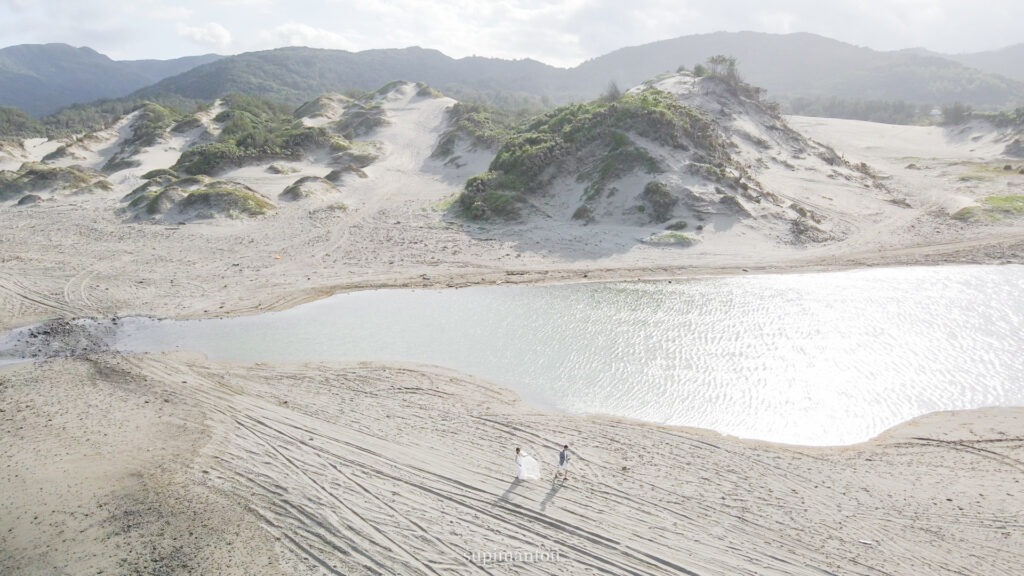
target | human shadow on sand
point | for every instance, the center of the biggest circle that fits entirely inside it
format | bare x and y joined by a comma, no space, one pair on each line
510,490
555,487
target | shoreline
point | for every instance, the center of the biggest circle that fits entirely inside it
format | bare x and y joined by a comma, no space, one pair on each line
68,338
540,277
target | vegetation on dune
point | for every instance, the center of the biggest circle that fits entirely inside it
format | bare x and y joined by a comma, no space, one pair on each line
660,200
159,172
232,202
255,130
318,106
725,69
360,118
884,111
528,159
149,126
479,125
425,91
623,157
15,125
671,238
194,197
993,209
484,197
83,118
152,123
306,187
34,177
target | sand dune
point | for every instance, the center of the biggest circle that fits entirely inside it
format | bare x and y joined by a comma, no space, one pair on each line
171,464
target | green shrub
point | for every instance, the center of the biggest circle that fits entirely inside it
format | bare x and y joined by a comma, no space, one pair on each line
229,201
16,125
486,197
993,209
660,200
159,172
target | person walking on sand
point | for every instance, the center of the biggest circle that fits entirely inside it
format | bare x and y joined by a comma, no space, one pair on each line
563,463
526,467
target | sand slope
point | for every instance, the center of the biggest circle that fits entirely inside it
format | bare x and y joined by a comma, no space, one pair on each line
387,469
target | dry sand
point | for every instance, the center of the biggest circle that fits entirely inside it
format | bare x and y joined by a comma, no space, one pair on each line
176,465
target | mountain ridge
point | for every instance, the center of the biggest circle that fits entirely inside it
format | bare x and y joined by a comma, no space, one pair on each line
44,78
788,66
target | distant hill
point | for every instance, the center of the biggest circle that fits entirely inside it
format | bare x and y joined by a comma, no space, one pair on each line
807,65
295,75
1009,61
43,78
788,66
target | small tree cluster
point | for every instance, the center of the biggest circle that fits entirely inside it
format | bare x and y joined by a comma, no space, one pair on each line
957,113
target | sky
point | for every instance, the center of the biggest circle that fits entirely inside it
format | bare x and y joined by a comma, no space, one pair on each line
558,33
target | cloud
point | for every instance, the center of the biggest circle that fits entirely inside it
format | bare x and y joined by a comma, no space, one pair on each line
212,34
171,13
296,34
562,33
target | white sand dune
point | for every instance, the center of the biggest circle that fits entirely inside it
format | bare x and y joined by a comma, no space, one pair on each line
394,232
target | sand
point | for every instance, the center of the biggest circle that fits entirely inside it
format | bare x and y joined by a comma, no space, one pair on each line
77,256
181,465
178,465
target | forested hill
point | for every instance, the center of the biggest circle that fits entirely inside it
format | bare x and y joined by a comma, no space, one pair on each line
802,71
806,65
43,78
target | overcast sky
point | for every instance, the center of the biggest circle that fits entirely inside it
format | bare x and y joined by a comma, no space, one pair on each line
558,33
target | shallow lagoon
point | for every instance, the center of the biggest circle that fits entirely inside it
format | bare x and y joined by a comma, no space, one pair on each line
820,359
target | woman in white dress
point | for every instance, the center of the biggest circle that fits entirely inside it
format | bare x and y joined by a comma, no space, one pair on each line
526,466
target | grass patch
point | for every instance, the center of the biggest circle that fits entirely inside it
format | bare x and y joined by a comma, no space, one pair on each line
34,177
446,204
986,172
228,201
194,197
671,238
622,157
479,125
159,172
993,209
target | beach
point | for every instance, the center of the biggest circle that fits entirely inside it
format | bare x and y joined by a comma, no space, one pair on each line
175,464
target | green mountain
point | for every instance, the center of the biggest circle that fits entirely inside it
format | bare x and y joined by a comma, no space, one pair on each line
295,75
43,78
809,71
1008,61
788,66
807,65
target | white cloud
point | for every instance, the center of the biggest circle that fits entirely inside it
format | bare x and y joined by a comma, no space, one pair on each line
172,13
562,33
296,34
15,4
212,34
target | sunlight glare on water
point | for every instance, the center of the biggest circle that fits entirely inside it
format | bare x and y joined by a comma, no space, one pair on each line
819,359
